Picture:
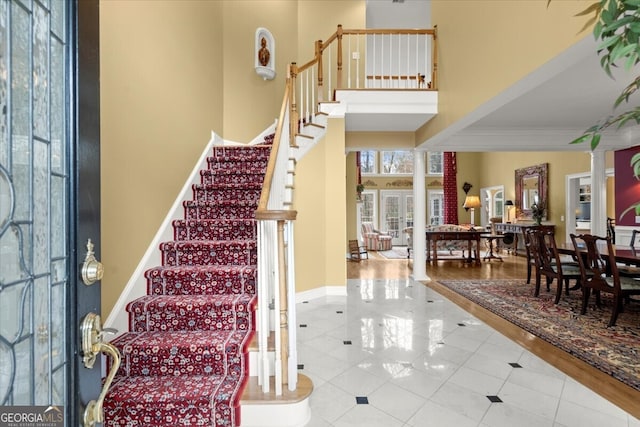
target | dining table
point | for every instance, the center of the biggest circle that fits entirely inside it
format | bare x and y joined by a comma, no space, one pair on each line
623,254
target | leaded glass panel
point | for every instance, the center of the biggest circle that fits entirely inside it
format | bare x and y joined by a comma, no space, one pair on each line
34,186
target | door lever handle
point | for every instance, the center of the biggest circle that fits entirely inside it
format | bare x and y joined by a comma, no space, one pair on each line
92,345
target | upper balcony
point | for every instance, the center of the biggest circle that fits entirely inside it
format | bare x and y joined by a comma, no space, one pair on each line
384,80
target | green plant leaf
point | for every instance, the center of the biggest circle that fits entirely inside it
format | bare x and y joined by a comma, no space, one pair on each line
610,41
595,141
580,139
624,51
635,164
619,23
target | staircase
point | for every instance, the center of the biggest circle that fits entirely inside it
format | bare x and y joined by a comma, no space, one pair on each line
185,356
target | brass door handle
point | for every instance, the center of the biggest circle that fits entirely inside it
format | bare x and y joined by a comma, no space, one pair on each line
91,268
92,345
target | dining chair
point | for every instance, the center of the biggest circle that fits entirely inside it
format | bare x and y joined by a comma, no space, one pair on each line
550,264
600,273
625,269
527,243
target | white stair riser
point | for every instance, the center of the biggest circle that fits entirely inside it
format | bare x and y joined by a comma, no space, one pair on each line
270,415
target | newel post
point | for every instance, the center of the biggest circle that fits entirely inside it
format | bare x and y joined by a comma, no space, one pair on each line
339,58
318,48
434,60
284,314
293,116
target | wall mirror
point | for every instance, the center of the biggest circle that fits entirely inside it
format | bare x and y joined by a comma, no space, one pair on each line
531,187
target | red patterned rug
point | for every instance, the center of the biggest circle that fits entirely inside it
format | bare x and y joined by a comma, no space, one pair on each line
614,350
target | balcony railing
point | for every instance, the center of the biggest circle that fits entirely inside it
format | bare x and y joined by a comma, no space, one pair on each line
401,59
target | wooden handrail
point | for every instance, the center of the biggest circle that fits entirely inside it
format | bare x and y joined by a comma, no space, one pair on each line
271,164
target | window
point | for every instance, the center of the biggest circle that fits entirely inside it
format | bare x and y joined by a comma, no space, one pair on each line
369,207
435,163
436,206
397,162
368,162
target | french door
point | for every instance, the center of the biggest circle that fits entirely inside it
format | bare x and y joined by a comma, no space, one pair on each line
396,213
49,203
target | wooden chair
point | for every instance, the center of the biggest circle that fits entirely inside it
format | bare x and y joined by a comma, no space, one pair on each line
600,274
624,269
530,258
553,267
547,262
357,252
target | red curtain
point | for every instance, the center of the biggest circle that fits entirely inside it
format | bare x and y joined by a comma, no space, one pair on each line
449,185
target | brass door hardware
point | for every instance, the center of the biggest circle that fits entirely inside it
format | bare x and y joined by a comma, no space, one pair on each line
92,345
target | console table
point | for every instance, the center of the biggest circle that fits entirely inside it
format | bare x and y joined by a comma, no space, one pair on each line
518,234
470,236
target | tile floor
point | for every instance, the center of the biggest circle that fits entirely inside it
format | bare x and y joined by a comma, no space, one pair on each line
395,353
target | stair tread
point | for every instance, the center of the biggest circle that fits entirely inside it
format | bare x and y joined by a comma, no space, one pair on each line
153,388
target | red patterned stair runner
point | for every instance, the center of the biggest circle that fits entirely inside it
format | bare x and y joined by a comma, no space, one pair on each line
185,357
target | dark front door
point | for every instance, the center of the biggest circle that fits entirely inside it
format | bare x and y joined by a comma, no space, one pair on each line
49,201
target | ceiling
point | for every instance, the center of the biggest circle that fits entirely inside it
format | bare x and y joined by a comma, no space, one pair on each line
545,110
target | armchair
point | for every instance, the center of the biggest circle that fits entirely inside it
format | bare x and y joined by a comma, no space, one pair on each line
375,240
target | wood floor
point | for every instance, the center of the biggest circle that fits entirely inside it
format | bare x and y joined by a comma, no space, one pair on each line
513,267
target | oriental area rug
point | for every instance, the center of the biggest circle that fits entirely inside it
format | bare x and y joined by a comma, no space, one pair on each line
615,350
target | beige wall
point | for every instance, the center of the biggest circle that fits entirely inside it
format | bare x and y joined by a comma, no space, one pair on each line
320,199
251,104
485,46
160,77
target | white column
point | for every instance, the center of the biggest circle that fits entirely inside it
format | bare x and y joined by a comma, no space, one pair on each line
419,218
598,194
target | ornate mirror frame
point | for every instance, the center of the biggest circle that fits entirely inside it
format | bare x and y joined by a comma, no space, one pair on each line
531,185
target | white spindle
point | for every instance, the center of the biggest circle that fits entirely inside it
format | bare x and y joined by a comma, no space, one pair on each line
291,292
417,55
263,306
330,69
276,309
349,59
427,58
306,96
313,91
373,63
358,62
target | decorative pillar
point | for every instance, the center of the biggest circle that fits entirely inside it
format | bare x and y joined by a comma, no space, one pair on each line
598,194
419,218
449,187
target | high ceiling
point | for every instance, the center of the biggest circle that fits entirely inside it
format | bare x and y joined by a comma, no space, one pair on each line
545,110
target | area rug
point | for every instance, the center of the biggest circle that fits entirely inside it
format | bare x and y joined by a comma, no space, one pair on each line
397,252
615,350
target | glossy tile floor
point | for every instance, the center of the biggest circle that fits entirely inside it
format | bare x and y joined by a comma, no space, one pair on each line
393,352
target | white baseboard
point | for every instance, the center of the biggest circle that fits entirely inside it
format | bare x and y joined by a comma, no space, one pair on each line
321,292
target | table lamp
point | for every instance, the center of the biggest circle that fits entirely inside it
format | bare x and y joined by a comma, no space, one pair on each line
508,204
472,202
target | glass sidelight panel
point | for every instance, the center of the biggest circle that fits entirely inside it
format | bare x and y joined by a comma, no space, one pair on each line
34,183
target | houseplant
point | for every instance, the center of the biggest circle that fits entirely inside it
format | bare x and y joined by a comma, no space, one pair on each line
538,212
